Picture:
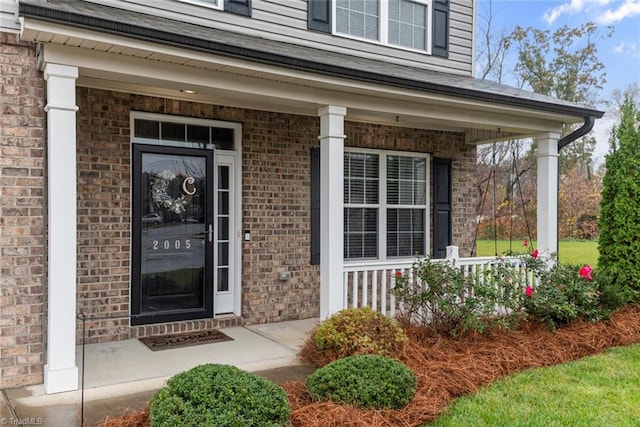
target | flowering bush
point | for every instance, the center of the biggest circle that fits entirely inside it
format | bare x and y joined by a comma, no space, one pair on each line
564,293
440,297
514,278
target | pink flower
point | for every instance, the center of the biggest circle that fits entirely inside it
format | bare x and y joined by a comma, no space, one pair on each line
398,274
525,243
586,272
535,254
528,291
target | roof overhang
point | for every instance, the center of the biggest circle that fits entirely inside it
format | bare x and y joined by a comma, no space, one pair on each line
136,59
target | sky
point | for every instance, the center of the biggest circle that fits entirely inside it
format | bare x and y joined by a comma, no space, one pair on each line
620,54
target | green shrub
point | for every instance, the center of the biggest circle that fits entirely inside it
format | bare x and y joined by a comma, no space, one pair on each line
219,395
566,292
612,294
365,381
440,297
619,223
360,331
562,295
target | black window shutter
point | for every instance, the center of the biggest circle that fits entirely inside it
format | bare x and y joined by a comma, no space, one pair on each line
442,231
319,15
315,206
239,7
440,33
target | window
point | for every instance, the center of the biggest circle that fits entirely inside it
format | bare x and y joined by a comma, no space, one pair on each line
408,24
209,3
361,200
358,18
385,204
239,7
197,134
394,22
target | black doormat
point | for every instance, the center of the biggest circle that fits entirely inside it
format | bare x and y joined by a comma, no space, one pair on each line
184,339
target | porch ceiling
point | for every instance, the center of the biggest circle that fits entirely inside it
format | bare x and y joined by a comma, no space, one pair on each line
125,64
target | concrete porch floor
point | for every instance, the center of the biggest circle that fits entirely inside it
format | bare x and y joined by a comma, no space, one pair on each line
123,375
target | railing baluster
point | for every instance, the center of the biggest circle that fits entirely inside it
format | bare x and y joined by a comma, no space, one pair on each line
345,303
354,299
374,291
365,287
383,293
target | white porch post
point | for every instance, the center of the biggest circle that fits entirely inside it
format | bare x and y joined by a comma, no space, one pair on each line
61,372
331,209
547,235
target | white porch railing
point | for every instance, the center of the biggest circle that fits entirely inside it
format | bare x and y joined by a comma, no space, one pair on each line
371,283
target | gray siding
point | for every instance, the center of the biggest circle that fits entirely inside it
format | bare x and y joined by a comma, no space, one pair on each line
286,20
8,12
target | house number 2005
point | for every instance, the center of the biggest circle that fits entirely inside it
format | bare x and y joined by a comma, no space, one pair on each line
171,244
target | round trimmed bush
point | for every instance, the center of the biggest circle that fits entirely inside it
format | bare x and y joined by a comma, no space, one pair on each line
219,395
365,381
360,331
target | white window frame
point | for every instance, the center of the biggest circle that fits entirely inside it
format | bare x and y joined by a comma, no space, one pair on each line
382,205
212,4
383,33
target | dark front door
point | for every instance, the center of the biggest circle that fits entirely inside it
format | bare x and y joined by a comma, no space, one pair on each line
172,212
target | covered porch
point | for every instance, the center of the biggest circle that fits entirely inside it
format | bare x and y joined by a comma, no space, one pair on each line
328,91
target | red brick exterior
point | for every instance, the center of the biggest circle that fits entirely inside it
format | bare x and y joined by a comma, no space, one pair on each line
275,208
22,163
275,205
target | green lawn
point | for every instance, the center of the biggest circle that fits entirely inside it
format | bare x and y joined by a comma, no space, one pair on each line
570,252
599,390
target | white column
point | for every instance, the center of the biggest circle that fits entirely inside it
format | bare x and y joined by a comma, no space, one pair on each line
61,372
331,209
547,235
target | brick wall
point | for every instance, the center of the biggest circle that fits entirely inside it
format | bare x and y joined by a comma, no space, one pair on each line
104,204
275,204
275,208
103,212
21,214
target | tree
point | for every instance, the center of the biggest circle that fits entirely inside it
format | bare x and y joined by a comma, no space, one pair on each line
579,201
564,64
618,98
499,166
491,51
619,222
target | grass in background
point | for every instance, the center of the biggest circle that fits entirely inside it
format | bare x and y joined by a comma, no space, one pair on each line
570,252
599,390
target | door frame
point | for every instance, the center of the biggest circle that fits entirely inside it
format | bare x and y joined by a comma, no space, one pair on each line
232,157
137,316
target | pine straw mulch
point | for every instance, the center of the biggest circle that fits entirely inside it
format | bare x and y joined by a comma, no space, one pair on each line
447,368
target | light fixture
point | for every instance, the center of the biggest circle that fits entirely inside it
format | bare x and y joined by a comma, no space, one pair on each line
188,91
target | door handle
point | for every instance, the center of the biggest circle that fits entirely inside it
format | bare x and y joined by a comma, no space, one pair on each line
210,233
